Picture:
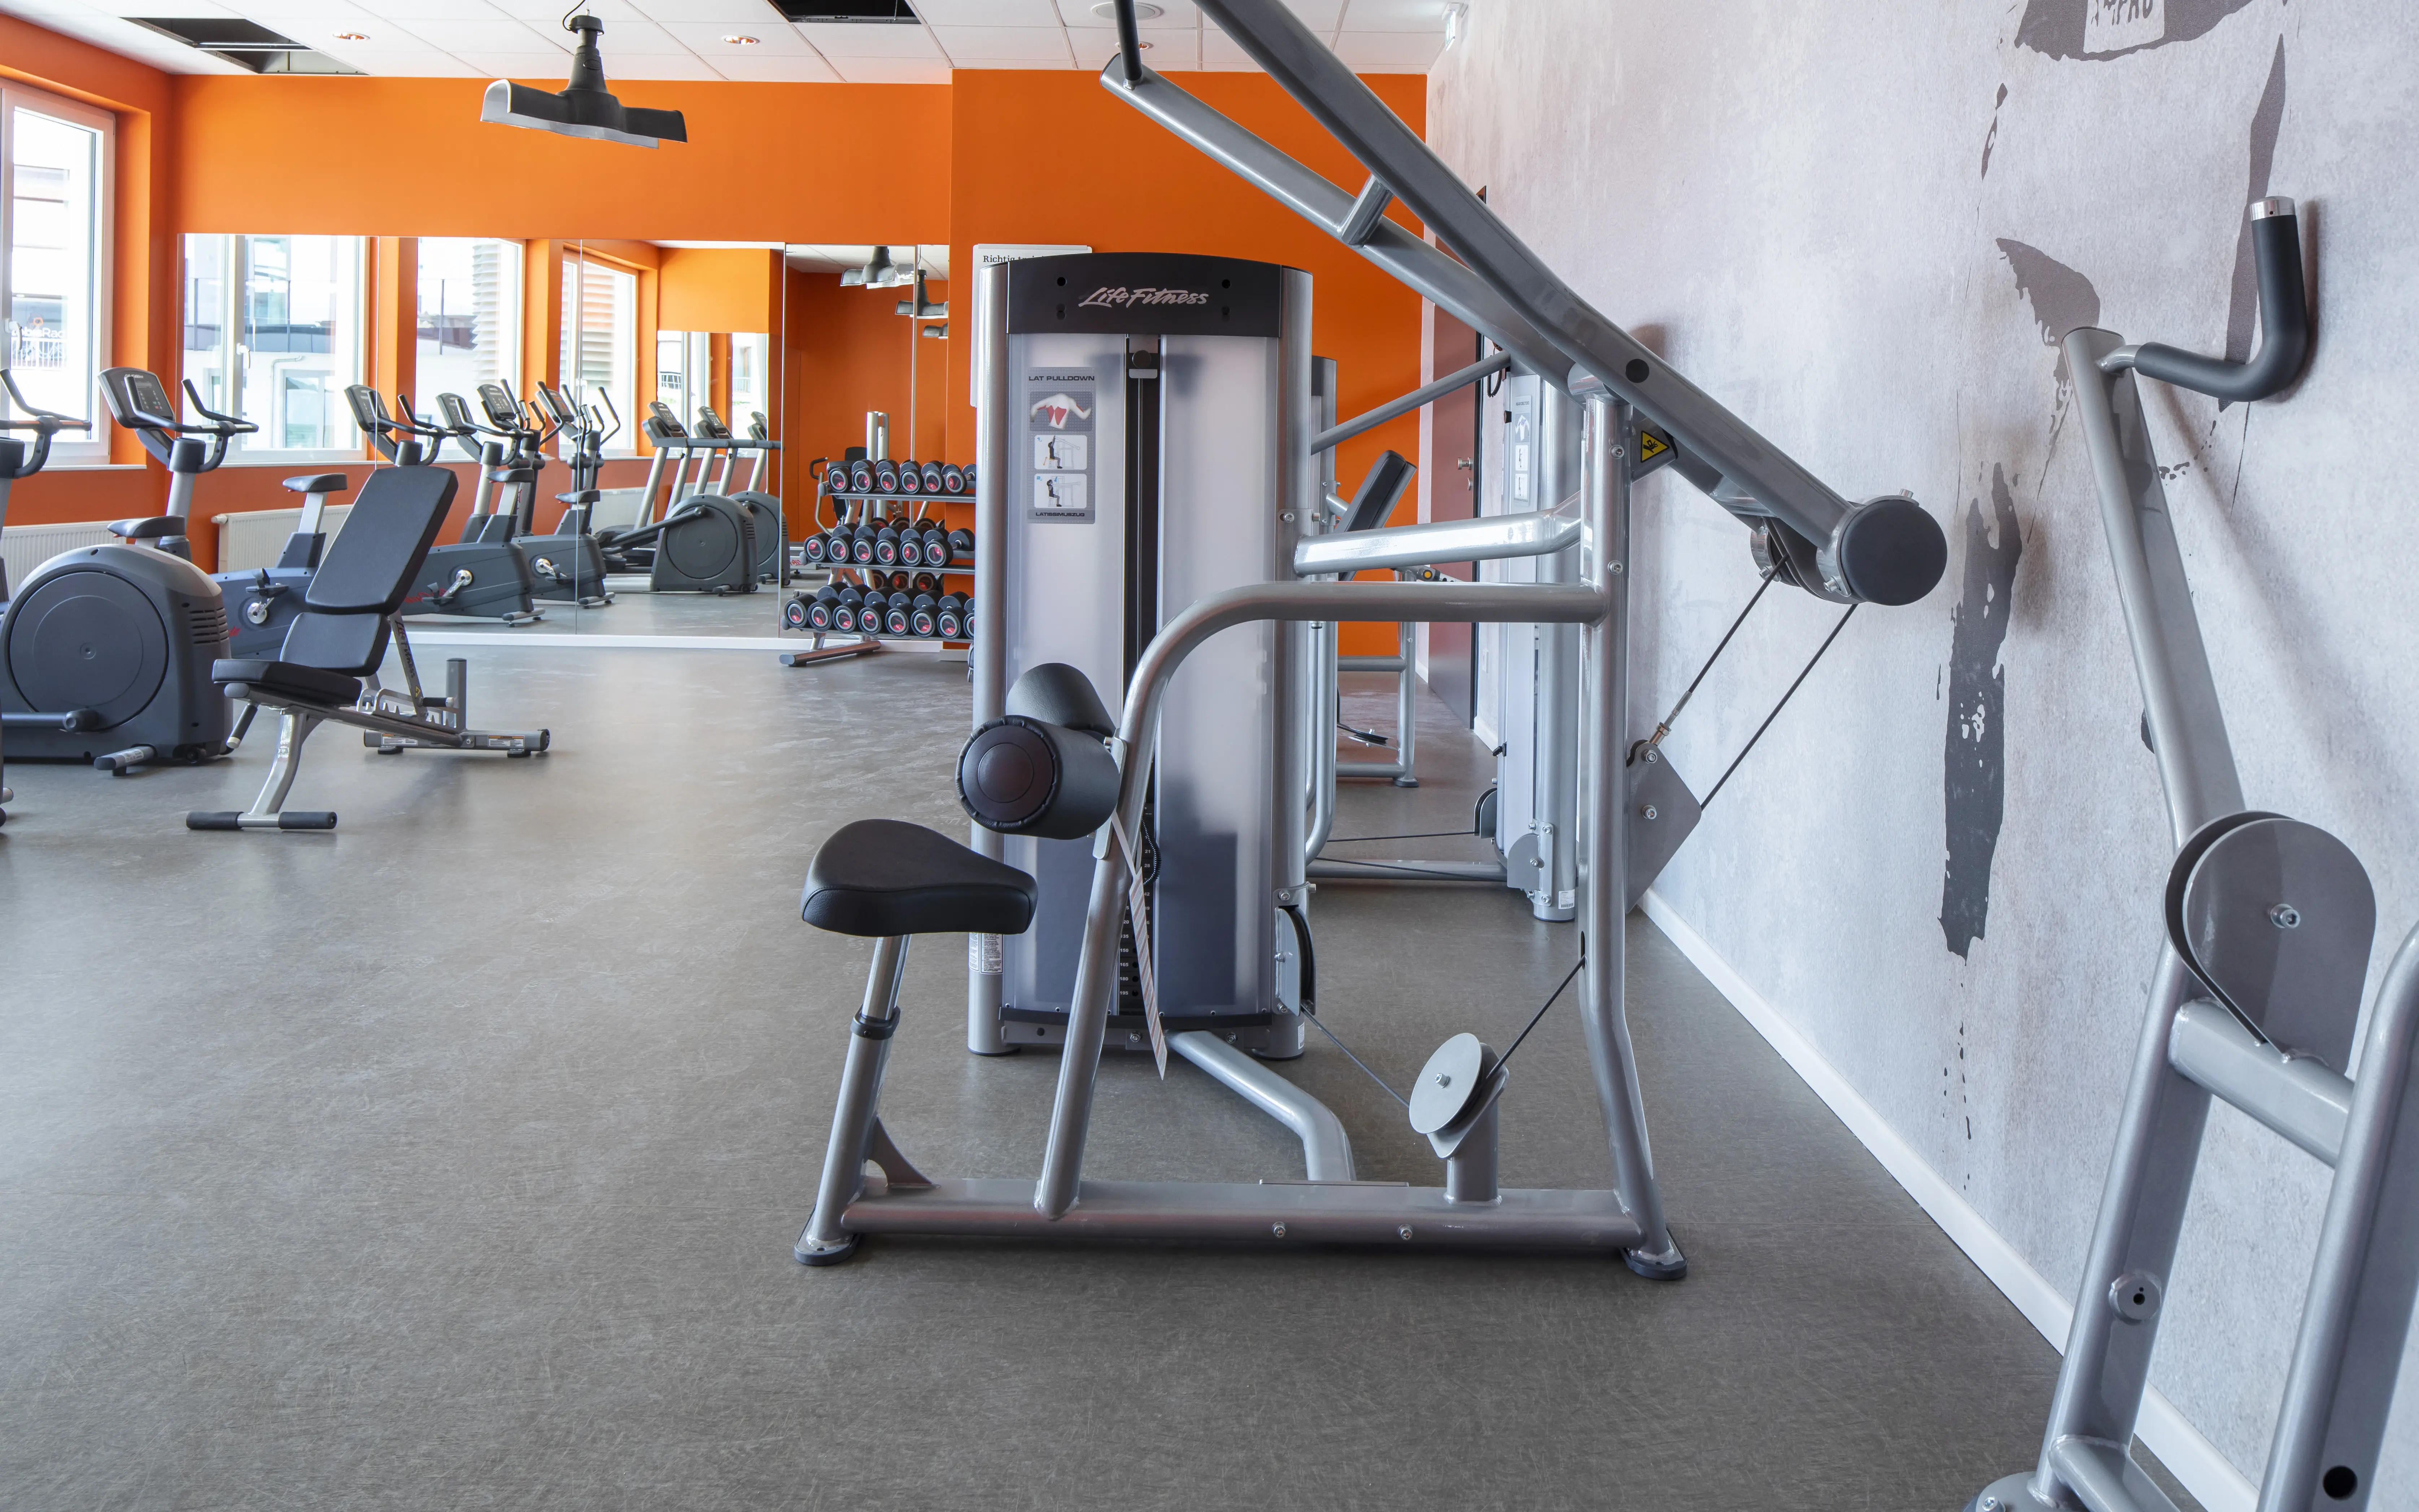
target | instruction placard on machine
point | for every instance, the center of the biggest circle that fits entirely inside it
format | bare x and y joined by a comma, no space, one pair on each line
1059,411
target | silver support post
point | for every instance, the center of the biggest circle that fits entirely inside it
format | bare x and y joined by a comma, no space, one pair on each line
1604,680
1303,393
861,1098
1326,1148
988,653
2178,693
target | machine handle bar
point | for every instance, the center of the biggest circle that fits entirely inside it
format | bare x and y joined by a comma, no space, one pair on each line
225,424
2284,323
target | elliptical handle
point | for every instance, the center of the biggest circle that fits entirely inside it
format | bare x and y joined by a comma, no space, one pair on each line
2284,322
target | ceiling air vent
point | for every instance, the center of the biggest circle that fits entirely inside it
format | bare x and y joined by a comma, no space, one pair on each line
897,12
243,43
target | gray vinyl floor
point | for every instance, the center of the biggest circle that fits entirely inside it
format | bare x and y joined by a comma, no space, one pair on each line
454,1160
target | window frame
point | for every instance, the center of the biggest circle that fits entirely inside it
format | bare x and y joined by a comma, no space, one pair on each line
576,258
235,285
67,452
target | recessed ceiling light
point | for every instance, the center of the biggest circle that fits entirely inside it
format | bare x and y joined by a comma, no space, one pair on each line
1143,10
741,41
352,36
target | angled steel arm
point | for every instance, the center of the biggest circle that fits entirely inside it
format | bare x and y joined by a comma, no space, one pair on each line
1885,551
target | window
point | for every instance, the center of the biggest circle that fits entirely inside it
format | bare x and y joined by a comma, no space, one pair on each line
468,320
600,337
54,167
274,333
749,394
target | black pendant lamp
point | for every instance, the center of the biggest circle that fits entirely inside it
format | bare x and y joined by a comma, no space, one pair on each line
584,107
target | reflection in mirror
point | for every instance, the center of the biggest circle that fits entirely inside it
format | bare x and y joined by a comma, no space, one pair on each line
880,478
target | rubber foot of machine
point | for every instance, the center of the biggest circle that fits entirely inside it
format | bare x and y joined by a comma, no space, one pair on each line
2012,1494
1669,1266
832,1254
200,818
292,819
1004,1050
1406,782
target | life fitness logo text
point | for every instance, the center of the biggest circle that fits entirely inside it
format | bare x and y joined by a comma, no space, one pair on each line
1121,298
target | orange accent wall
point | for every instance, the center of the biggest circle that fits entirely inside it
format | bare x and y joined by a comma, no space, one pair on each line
411,157
1125,184
143,305
719,289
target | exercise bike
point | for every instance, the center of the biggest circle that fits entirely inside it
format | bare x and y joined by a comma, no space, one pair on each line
261,603
105,650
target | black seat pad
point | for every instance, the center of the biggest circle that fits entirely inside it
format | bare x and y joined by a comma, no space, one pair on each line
290,679
370,567
880,877
147,530
315,483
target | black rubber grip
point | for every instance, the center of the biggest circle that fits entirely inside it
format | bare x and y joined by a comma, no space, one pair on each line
2284,326
201,819
308,819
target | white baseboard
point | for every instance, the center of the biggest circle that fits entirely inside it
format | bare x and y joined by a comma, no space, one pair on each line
2198,1463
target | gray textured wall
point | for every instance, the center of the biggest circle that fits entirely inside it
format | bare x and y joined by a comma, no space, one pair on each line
1862,224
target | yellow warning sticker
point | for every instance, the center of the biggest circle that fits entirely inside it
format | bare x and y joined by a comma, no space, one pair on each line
1651,446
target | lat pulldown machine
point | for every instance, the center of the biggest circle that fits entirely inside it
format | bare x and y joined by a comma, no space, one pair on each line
2269,924
1038,765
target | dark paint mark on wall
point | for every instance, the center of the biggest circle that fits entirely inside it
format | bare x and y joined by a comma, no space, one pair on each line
1992,139
2063,29
2061,299
2242,309
1973,763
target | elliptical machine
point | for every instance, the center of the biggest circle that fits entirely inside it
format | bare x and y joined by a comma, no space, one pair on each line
705,544
764,509
260,603
479,576
105,650
566,565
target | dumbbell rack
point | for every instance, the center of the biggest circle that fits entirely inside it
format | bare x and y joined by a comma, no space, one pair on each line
865,641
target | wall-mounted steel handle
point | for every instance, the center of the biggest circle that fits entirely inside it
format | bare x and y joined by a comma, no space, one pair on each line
2284,322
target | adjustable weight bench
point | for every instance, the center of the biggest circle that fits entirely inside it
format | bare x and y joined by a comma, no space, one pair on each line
328,666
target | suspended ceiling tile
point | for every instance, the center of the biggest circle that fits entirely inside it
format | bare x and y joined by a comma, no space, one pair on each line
839,39
1396,16
892,69
497,34
1173,13
318,29
1163,51
1320,16
546,15
749,13
705,40
974,47
620,37
939,13
529,68
163,8
777,67
428,10
278,15
1390,51
1219,53
370,39
656,66
420,65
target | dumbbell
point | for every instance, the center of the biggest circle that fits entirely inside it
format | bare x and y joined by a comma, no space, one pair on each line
932,478
860,476
886,476
953,479
860,543
949,617
886,546
911,543
821,608
839,543
911,477
895,614
925,583
923,619
844,607
794,612
816,546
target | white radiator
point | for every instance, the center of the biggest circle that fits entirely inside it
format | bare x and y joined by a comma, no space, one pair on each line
254,538
27,547
617,508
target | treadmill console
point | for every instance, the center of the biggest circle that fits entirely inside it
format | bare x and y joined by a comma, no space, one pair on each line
710,425
663,423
